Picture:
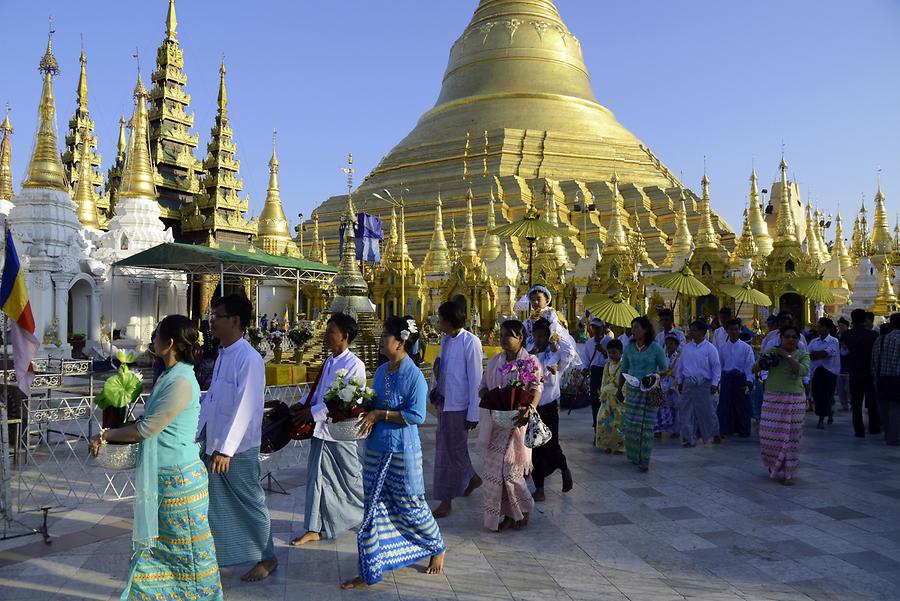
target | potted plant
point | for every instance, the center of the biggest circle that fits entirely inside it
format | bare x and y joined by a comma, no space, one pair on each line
299,336
276,341
78,340
255,337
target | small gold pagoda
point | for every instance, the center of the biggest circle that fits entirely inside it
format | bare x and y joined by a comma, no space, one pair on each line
881,245
886,301
81,130
710,260
274,232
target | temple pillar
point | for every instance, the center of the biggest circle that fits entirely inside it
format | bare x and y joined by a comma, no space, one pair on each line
93,332
60,310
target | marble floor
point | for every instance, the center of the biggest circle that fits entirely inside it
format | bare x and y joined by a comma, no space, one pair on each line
704,524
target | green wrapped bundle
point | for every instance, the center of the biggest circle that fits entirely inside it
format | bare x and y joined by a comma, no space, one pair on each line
119,391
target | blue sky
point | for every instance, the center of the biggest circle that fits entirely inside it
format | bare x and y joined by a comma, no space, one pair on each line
729,80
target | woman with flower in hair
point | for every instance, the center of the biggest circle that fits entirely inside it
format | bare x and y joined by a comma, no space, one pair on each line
397,527
512,380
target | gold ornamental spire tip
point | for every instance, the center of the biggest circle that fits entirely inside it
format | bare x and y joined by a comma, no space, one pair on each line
122,144
45,169
138,174
223,95
6,190
171,21
82,91
706,233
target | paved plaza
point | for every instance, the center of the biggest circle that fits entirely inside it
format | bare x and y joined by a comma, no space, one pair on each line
704,524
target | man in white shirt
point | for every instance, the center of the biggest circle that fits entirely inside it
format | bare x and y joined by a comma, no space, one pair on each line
230,429
736,357
667,328
549,457
720,334
593,359
697,374
334,484
825,367
456,396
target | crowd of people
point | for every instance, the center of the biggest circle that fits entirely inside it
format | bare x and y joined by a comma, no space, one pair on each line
197,510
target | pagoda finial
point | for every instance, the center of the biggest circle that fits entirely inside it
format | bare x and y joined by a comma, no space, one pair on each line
82,91
223,95
839,250
6,189
349,171
882,242
469,244
812,241
84,193
490,245
315,251
682,241
746,247
785,231
122,144
138,175
171,21
706,237
273,231
454,247
437,259
45,169
758,225
616,239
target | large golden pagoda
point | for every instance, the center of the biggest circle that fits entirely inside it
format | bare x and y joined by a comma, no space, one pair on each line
81,130
517,74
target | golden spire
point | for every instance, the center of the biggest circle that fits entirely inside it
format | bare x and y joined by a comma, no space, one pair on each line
636,240
45,169
706,238
812,241
437,259
82,91
274,233
223,95
315,251
746,247
682,242
454,249
616,239
785,233
490,245
839,250
171,21
123,143
886,301
758,226
6,190
138,175
881,229
323,254
469,244
820,235
84,194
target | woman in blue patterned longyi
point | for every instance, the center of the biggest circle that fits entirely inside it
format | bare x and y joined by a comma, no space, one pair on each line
398,528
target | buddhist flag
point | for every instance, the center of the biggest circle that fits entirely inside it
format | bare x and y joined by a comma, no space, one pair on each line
15,304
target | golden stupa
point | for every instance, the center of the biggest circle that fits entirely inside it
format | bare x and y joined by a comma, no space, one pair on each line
516,109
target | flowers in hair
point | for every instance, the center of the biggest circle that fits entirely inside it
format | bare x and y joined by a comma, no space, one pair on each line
410,330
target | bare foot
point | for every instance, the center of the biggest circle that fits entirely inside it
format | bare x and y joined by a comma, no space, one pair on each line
442,510
474,483
506,524
260,571
309,537
355,583
436,565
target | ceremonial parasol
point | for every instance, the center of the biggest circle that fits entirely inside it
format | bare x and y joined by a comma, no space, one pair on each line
611,309
746,294
682,281
814,289
531,227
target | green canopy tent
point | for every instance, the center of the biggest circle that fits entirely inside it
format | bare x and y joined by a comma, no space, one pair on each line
195,260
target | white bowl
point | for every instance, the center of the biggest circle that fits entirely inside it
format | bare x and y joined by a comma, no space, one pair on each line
118,456
347,430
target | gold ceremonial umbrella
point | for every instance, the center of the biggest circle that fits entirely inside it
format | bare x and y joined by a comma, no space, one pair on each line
611,309
682,282
814,289
746,294
530,227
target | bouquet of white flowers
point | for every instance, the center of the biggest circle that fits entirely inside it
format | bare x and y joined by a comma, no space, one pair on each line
348,398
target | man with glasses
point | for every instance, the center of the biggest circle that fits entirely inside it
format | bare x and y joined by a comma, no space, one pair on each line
230,430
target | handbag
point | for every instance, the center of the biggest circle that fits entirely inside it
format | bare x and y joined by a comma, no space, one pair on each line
656,397
537,433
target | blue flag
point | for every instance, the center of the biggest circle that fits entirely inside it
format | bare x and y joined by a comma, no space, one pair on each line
369,234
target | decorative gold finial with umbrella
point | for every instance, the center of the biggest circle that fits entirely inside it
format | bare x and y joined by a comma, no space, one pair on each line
531,227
